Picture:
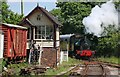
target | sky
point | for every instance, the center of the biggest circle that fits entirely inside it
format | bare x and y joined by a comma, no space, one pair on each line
30,5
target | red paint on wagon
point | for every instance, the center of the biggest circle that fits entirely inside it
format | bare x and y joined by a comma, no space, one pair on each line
15,39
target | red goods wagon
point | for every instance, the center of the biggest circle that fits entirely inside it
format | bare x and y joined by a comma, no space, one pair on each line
15,39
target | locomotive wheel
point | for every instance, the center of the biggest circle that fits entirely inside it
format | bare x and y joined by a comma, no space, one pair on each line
86,58
89,58
77,56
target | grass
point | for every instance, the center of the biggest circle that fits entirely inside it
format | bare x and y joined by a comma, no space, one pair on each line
14,69
0,65
111,59
63,67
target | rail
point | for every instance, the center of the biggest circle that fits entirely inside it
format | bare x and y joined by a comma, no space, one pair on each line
103,70
85,70
88,69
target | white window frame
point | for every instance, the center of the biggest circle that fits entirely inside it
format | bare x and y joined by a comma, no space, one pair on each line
41,32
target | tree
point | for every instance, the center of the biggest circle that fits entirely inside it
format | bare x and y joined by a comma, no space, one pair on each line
73,14
108,45
57,14
9,16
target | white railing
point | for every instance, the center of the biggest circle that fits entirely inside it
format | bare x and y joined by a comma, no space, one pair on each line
44,44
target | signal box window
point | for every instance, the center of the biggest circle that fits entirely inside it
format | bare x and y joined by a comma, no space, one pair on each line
43,32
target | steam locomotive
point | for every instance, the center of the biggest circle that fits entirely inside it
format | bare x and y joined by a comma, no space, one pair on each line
79,46
82,49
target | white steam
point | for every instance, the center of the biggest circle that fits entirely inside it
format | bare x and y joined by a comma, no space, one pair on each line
101,17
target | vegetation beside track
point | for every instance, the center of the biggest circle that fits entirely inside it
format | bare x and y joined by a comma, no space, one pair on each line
0,65
63,67
14,69
111,59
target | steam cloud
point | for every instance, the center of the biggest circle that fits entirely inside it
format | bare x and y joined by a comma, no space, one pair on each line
101,17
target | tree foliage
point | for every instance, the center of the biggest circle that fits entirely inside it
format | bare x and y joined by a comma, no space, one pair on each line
9,16
73,14
57,14
108,45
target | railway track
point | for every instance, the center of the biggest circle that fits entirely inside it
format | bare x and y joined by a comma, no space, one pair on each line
88,69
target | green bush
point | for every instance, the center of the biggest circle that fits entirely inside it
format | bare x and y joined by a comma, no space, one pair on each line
111,59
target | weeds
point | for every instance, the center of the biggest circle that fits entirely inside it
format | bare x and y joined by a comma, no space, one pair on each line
111,59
